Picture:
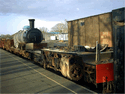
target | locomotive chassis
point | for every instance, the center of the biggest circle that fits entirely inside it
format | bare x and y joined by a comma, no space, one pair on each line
69,63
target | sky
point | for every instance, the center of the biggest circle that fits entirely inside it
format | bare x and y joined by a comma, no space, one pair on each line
14,14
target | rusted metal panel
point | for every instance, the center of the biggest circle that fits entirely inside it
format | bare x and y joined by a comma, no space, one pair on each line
39,45
34,46
106,38
75,27
69,39
82,32
75,40
82,40
105,29
82,27
86,31
95,30
105,22
92,31
2,43
76,33
70,33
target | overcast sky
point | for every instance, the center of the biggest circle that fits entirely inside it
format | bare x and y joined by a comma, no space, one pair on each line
14,14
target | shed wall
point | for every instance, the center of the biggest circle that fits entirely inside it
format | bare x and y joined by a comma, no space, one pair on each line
87,31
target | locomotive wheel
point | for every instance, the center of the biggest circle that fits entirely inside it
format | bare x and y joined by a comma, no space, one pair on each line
76,72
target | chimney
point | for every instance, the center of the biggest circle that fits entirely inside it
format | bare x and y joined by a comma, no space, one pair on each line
31,23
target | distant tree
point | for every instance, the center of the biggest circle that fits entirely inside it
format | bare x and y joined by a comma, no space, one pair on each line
60,27
66,27
43,29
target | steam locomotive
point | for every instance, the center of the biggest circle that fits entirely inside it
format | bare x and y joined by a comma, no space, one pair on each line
28,35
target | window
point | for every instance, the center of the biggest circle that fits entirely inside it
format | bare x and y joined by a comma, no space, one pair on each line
82,23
